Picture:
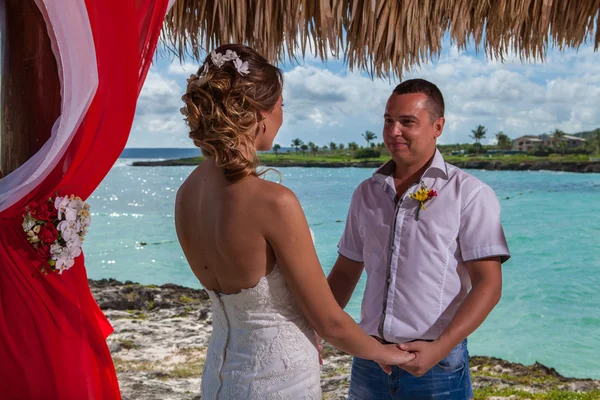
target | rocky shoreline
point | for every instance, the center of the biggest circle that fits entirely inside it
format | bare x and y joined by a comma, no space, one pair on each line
492,165
161,335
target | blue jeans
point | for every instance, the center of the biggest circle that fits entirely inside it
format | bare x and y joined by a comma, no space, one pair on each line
448,380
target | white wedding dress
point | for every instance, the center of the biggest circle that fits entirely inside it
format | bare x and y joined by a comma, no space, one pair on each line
261,346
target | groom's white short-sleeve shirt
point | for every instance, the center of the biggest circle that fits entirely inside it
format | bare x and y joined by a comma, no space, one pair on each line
416,271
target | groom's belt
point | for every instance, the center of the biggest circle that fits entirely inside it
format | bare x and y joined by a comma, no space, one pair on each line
383,341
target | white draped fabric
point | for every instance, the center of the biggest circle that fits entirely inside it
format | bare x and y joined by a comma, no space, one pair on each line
73,46
78,81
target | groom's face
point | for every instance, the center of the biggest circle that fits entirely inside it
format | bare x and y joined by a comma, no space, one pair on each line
409,132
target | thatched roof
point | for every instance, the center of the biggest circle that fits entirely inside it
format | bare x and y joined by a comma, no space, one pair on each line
383,36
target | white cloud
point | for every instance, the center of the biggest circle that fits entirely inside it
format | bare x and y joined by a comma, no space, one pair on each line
158,122
323,106
316,117
185,69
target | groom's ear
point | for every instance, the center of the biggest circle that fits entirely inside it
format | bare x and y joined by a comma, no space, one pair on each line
438,126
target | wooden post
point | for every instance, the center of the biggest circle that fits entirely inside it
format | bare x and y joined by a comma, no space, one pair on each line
30,86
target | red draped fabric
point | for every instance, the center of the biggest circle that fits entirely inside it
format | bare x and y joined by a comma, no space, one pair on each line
52,332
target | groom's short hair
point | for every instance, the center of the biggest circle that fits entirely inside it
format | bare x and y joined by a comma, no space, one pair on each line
436,100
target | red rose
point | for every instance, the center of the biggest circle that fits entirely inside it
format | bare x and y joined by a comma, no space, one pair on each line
43,250
48,234
432,193
52,211
42,213
33,209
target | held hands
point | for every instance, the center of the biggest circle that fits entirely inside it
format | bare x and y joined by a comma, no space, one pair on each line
393,355
426,356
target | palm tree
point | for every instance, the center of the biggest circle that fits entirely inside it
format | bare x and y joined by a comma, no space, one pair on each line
341,146
304,148
353,146
313,148
504,141
332,146
296,143
276,148
368,135
557,139
478,134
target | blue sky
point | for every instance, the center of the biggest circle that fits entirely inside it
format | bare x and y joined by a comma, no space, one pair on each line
326,102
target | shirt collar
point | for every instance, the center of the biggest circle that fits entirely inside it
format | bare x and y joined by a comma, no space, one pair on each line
437,166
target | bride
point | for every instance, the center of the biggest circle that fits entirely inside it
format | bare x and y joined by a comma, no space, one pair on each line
248,242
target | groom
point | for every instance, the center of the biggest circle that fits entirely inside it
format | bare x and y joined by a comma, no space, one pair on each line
430,238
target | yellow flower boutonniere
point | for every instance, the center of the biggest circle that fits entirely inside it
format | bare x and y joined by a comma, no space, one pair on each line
423,195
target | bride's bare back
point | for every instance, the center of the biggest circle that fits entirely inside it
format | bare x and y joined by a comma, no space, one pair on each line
221,228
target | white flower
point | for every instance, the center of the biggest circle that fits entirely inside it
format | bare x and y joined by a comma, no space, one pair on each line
68,234
56,250
63,263
74,244
71,214
217,59
64,226
61,204
76,204
230,55
242,67
28,223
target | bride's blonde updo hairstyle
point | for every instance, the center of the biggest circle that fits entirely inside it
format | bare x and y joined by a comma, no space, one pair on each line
223,102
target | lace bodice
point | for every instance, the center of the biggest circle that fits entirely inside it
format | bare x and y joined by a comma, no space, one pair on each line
261,346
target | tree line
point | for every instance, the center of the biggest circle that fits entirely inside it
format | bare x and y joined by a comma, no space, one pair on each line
503,142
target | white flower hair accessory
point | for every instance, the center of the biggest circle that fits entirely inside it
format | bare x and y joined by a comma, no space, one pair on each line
218,59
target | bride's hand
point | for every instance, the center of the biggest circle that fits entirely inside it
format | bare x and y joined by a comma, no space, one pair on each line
392,355
319,347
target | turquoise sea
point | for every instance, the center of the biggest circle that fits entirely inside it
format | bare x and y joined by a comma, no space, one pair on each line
550,308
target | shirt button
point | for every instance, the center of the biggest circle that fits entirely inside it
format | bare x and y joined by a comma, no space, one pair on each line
390,280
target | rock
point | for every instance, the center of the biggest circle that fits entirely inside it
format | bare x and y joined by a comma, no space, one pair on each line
203,314
114,347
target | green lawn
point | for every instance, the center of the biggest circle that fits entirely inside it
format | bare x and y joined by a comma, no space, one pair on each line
516,158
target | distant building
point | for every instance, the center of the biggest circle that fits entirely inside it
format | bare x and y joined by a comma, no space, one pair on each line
573,142
527,143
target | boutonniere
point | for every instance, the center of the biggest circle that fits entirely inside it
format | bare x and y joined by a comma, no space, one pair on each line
423,195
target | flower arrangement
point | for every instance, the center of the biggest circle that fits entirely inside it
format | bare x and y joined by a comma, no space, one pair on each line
423,195
56,228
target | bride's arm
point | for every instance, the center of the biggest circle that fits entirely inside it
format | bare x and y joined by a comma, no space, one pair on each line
286,229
